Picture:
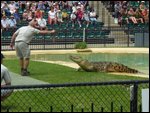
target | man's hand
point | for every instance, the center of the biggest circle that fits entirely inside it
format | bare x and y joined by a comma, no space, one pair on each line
11,45
52,31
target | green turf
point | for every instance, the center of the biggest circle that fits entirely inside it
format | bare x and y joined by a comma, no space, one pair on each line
61,99
54,73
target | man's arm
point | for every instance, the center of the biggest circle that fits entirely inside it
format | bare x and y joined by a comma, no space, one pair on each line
46,32
13,40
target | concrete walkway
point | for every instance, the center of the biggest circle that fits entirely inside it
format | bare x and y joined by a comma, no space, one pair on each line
24,80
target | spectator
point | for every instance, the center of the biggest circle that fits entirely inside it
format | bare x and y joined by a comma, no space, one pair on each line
86,18
41,6
138,15
131,15
12,7
23,5
117,8
52,16
25,15
17,16
124,16
81,6
38,14
145,15
79,15
5,8
73,18
142,6
65,15
29,15
70,4
5,75
74,8
93,18
33,7
59,16
5,23
42,23
12,22
56,6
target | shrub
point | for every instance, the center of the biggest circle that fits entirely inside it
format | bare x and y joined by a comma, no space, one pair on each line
80,45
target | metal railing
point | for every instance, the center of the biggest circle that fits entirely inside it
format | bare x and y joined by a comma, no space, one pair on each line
95,37
112,96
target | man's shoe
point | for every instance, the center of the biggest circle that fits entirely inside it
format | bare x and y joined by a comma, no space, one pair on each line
24,73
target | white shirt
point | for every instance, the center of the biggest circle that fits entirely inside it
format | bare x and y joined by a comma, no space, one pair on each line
5,74
42,22
26,33
52,15
5,23
92,14
12,22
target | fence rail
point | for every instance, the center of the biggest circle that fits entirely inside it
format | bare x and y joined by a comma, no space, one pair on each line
113,96
95,37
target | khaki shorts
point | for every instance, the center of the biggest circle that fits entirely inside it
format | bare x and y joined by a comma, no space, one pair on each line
22,49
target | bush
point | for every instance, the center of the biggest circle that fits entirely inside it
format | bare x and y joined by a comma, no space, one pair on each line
80,45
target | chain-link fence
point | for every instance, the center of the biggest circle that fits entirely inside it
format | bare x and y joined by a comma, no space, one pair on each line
115,96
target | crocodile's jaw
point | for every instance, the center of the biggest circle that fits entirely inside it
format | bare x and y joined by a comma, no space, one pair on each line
76,59
84,64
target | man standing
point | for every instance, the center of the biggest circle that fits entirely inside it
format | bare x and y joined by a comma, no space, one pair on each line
6,77
22,38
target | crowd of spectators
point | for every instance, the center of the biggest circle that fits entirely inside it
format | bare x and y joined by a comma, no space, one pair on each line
56,12
126,12
46,12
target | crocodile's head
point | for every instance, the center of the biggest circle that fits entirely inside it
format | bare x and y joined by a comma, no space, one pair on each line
76,59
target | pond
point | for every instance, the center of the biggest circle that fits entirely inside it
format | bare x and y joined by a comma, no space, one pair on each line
134,60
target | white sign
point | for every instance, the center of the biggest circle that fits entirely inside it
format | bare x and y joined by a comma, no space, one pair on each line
145,100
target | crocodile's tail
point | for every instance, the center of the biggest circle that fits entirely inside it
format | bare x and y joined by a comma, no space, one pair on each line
134,71
123,68
130,70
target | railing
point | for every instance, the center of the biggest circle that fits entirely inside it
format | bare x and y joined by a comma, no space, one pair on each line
113,96
94,36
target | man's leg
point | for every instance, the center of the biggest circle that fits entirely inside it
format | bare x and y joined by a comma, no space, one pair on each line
21,61
25,67
26,63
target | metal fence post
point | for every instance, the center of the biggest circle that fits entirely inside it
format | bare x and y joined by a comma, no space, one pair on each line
143,36
128,37
83,34
133,97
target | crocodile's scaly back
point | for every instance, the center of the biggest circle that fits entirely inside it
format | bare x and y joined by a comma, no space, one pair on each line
113,67
102,66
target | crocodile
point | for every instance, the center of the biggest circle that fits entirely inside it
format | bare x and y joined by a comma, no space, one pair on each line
101,66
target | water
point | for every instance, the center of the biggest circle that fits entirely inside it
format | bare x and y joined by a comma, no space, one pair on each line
136,61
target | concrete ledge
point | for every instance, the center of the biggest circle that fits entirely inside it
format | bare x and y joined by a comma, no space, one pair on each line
94,50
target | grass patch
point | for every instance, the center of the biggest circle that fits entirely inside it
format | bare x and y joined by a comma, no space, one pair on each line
54,73
61,99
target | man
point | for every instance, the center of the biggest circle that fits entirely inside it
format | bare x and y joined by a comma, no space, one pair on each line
12,23
5,23
22,38
6,77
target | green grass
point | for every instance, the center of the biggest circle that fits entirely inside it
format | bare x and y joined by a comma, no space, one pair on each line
62,98
53,73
